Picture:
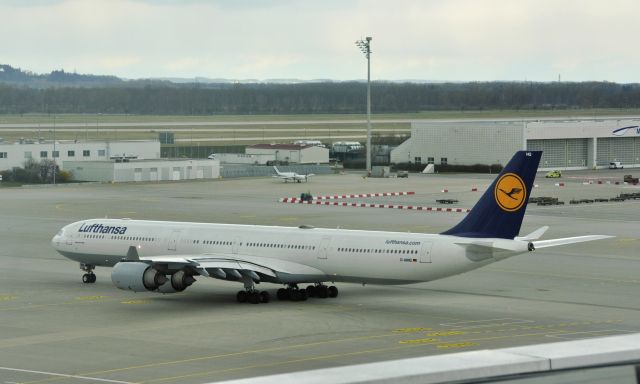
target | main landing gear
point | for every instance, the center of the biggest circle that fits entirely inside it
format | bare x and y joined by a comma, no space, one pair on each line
253,297
250,294
89,277
293,293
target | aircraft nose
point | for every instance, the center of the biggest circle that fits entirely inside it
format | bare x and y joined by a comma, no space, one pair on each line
57,239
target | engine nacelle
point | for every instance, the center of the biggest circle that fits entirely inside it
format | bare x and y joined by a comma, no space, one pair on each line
178,282
137,277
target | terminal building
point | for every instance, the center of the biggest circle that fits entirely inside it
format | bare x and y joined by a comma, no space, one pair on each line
567,143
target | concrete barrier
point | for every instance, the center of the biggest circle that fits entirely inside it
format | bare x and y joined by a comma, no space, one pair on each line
474,365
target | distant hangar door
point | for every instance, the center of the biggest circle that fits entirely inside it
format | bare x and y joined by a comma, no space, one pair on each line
175,174
153,174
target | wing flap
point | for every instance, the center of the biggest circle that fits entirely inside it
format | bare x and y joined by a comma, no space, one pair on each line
211,261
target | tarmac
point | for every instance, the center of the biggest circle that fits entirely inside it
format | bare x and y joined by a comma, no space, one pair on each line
54,329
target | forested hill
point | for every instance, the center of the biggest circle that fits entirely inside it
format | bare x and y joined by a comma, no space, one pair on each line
161,98
59,78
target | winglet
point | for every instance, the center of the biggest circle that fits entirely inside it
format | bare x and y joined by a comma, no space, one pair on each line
535,235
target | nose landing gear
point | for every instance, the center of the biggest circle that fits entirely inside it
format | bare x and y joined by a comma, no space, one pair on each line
89,277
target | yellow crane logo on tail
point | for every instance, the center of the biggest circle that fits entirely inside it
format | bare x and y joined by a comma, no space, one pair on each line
510,192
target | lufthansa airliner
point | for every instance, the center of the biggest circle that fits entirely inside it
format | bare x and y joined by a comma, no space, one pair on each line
167,257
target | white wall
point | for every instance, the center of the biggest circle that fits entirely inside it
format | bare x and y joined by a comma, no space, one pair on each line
461,143
14,155
158,170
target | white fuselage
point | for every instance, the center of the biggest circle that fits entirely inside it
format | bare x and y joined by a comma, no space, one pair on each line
342,255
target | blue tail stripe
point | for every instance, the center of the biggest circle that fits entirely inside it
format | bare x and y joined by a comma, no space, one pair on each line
500,210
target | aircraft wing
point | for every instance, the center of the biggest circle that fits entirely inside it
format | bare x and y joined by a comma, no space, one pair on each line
233,266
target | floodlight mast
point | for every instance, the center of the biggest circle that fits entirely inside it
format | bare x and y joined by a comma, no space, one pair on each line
365,47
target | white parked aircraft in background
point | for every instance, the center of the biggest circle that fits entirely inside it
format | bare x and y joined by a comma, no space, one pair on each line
167,256
291,176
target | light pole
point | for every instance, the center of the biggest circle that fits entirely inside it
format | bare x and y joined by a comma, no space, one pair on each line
53,154
365,47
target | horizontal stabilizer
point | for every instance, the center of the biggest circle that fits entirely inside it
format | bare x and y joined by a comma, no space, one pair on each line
495,244
568,240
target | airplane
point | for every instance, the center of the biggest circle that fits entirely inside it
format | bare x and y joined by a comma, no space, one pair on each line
291,176
166,257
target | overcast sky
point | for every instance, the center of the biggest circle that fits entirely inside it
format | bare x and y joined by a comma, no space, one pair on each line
459,40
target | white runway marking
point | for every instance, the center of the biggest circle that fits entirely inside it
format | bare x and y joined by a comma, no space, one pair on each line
67,376
587,334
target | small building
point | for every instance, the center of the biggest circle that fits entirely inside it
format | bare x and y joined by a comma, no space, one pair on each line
15,154
243,158
143,170
292,153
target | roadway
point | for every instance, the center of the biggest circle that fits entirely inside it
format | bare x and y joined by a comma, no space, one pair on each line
55,329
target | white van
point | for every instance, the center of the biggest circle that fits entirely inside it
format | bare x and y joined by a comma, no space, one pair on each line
615,165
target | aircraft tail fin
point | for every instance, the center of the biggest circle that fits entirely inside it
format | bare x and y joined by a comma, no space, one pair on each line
499,212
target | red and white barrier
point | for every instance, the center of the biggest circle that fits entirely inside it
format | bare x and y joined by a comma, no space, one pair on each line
444,191
388,206
474,189
559,184
359,195
349,196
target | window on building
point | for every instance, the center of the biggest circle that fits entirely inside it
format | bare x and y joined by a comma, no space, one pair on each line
443,160
43,154
417,160
430,160
86,153
55,154
3,155
102,152
71,153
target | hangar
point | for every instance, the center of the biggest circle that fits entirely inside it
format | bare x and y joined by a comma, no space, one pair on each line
292,153
144,170
567,143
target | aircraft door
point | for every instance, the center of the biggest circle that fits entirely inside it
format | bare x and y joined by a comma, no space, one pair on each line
235,245
173,240
323,249
425,252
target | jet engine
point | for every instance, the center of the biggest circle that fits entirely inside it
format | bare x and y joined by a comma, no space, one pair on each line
137,277
178,282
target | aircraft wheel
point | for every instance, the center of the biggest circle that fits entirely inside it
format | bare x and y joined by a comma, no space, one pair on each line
265,297
93,278
333,291
254,297
282,294
295,295
242,296
311,291
86,278
322,291
303,295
